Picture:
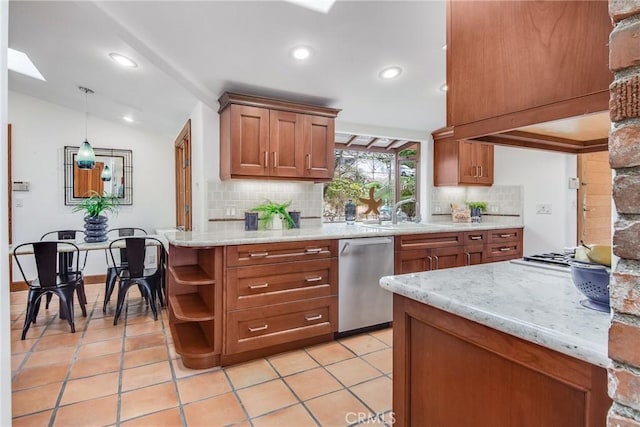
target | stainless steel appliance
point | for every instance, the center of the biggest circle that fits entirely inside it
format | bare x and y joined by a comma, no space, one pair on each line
551,260
361,300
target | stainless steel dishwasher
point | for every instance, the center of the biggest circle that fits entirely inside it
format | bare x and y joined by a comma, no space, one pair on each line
361,301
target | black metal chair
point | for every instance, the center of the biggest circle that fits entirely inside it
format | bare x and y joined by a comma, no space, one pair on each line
53,278
149,280
114,269
66,258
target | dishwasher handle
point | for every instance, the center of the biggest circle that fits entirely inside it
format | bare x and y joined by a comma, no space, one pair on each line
365,242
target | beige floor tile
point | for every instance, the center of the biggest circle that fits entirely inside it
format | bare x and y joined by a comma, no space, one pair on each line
353,371
139,342
102,334
90,388
97,412
50,357
36,420
22,346
329,353
34,399
381,360
56,341
148,400
337,409
143,328
377,394
16,361
181,371
102,323
167,418
313,383
220,410
58,326
146,375
266,397
363,344
292,362
95,365
251,373
40,375
100,348
145,356
199,387
384,335
295,415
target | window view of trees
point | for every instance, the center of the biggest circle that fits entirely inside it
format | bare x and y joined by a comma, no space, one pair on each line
356,172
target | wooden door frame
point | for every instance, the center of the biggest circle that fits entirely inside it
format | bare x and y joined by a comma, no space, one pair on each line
183,144
579,197
10,206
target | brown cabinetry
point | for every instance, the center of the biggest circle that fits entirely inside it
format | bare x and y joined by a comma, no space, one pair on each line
462,163
504,244
449,371
195,304
279,294
267,138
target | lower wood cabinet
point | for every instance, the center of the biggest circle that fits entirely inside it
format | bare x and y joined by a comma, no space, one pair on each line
449,371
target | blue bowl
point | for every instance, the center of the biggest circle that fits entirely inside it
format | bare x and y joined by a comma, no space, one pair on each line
593,281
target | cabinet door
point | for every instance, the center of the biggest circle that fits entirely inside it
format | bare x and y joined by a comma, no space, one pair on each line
474,254
468,170
413,261
286,144
484,161
319,152
447,257
249,141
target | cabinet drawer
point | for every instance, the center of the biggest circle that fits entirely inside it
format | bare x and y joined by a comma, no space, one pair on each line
504,251
505,235
427,241
474,237
282,323
259,285
241,255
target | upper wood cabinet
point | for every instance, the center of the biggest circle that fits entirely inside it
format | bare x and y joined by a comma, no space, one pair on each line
462,163
268,138
511,64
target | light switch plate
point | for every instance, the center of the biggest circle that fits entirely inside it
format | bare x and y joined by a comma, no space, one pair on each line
543,208
574,183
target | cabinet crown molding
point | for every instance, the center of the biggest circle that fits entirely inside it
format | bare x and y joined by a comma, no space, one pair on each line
229,98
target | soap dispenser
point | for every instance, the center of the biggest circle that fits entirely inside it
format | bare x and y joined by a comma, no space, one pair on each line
350,212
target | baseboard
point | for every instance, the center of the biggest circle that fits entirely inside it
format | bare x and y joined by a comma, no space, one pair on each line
88,280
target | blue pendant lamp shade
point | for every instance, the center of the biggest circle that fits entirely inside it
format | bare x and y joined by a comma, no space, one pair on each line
86,158
106,174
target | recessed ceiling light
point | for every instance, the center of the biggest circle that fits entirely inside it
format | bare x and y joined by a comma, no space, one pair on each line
444,87
301,52
317,5
20,63
390,73
127,119
123,60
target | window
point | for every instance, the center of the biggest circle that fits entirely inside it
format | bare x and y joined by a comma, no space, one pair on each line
391,176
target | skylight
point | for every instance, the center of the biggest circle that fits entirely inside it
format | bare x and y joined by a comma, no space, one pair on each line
20,63
316,5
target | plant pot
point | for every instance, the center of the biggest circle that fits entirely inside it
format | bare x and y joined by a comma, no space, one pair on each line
95,229
275,224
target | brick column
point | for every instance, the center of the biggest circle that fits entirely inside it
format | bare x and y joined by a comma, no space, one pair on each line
624,157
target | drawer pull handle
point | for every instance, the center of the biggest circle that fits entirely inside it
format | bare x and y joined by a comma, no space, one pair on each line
261,286
504,236
313,250
313,279
259,328
505,249
311,318
258,254
475,237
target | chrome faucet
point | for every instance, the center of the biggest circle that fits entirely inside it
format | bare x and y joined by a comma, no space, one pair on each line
394,213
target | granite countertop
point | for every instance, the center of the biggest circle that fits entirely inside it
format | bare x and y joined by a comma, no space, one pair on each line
326,231
536,304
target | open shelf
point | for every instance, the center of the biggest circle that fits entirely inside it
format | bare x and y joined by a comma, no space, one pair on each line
190,307
191,275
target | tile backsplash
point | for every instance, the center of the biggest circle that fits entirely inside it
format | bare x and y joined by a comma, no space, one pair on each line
501,199
242,195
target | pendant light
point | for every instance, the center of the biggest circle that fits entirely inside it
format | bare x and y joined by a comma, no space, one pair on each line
86,158
106,174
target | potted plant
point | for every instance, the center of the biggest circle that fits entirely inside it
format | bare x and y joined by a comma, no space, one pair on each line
274,215
95,224
476,209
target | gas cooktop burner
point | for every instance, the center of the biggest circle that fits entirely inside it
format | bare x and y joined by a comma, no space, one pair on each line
550,258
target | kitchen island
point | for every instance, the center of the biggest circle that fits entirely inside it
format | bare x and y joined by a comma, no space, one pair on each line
497,344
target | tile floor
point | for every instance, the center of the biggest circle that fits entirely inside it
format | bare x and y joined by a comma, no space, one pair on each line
130,375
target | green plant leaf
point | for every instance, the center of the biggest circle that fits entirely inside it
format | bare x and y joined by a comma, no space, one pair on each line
96,204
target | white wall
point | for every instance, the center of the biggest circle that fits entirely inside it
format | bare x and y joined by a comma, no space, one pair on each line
40,130
544,176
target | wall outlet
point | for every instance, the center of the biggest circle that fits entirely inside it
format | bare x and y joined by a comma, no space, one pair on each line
574,183
494,209
543,208
230,211
438,209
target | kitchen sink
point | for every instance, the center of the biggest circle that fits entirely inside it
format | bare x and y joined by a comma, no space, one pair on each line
409,226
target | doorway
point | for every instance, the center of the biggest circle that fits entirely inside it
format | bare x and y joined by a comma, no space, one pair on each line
594,198
183,178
